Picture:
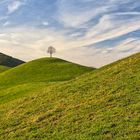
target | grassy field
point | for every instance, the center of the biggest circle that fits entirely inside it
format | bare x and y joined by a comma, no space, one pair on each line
54,100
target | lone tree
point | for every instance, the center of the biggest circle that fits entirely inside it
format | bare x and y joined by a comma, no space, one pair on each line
51,50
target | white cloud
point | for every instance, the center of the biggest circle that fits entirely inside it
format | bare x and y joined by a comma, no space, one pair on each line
75,34
45,23
15,5
7,23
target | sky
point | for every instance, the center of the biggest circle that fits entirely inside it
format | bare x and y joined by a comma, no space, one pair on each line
89,32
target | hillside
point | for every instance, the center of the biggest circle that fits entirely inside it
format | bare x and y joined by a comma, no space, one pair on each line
35,74
103,104
42,70
9,61
3,68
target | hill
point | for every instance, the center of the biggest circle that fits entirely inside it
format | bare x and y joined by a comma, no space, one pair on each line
9,61
35,74
101,104
42,70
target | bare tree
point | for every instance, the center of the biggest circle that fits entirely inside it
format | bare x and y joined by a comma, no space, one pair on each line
51,50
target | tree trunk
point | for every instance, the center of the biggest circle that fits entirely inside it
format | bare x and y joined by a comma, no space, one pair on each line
50,54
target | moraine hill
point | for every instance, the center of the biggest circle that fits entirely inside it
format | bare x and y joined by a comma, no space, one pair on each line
101,104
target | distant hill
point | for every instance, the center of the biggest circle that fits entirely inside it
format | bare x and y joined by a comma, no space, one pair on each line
9,61
58,100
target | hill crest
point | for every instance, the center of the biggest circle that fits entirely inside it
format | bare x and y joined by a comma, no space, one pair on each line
43,70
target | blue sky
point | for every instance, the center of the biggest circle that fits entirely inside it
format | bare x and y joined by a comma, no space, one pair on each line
89,32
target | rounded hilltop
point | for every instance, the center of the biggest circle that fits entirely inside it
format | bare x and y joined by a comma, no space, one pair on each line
43,70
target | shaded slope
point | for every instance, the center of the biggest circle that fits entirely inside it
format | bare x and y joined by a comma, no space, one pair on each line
9,61
100,105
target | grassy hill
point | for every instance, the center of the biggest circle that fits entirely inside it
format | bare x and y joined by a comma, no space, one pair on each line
33,75
9,61
103,104
42,70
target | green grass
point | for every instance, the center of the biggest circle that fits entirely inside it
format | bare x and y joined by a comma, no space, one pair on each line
103,104
19,80
3,68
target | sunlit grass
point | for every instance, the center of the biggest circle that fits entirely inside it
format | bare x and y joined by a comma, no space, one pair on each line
101,104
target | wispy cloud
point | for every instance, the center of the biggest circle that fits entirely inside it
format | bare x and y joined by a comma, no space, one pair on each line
98,57
15,5
3,18
71,15
7,23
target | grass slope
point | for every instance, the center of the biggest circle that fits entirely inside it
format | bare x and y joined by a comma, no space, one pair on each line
3,68
101,105
9,61
35,73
